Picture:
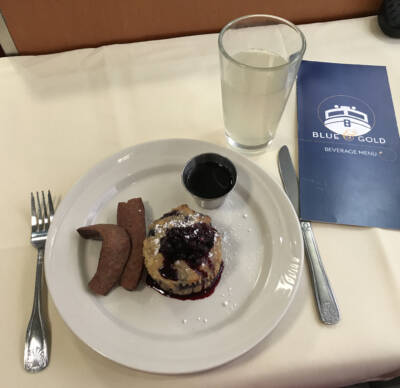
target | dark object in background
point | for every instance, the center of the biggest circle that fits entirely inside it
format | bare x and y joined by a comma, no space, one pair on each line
389,18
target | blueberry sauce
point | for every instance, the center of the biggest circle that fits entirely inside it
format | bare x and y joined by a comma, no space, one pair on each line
191,244
171,213
195,295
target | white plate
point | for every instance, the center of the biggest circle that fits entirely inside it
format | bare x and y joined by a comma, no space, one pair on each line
263,256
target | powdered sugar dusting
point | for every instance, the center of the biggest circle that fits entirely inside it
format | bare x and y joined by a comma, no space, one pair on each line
177,221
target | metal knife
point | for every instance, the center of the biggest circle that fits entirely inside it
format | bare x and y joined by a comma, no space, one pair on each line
327,307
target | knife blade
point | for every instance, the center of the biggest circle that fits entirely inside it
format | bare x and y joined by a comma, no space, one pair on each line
326,302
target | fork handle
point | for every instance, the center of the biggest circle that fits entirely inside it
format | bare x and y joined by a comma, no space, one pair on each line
36,353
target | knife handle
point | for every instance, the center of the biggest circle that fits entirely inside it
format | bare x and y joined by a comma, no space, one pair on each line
327,307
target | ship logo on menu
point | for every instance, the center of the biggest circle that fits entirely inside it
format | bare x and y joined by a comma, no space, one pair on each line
347,120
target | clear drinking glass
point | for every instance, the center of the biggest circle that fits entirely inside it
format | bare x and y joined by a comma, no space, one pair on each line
259,57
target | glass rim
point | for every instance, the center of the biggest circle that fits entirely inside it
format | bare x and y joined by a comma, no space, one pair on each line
287,22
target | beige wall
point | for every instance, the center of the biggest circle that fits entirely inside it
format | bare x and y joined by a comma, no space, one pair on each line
42,26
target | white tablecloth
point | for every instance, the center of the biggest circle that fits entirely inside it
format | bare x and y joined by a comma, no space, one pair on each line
61,114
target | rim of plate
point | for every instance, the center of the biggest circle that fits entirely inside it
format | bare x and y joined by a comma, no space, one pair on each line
68,203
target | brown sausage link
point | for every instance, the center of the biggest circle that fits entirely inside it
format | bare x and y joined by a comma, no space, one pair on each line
113,256
131,216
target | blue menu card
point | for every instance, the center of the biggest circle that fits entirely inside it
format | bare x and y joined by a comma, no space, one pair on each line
349,146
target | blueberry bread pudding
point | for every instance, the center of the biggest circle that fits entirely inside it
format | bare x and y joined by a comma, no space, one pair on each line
182,253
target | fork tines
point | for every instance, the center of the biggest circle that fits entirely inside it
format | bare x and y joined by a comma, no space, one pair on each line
41,217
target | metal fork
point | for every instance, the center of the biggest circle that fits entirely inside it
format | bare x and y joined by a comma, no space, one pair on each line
36,355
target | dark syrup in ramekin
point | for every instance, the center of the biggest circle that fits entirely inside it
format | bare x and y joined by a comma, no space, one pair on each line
209,180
